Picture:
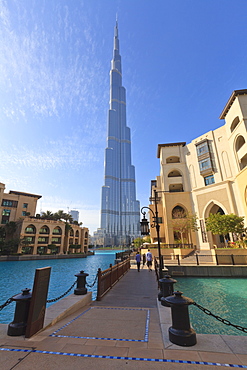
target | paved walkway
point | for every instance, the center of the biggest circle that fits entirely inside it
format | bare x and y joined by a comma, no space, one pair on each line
127,329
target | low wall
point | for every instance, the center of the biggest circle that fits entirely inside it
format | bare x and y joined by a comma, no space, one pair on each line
235,251
31,257
208,271
168,252
65,307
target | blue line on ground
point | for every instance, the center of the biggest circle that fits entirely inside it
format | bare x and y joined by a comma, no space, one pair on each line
54,334
124,358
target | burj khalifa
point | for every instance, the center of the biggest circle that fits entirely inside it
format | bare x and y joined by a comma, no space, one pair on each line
120,211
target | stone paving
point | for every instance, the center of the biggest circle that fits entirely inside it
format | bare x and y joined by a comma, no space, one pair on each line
128,328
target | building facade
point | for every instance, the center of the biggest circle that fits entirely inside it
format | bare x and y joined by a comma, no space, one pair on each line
39,235
208,175
120,211
75,214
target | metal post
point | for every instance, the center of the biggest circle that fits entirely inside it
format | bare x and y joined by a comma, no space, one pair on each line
180,332
161,266
99,285
18,325
81,282
110,275
216,258
166,288
197,259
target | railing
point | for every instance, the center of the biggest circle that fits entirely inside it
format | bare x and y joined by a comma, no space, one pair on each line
123,255
181,245
200,259
109,277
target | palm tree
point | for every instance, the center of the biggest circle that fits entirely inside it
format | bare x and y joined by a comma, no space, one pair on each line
67,217
48,215
59,215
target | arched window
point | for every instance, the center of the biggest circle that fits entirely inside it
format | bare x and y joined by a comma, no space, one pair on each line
77,233
30,229
71,233
178,212
173,159
239,143
44,230
174,173
175,188
57,231
243,162
234,124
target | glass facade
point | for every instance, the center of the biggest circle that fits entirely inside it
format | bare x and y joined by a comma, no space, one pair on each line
9,203
120,211
205,164
202,148
209,180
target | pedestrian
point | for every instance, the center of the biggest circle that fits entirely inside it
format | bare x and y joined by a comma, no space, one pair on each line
149,258
143,260
138,261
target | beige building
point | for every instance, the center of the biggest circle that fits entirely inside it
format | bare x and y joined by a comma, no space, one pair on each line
208,175
41,235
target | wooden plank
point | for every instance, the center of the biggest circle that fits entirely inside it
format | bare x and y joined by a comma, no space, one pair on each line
36,314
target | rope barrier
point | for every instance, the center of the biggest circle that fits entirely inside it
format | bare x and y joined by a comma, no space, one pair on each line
9,300
224,321
90,286
63,295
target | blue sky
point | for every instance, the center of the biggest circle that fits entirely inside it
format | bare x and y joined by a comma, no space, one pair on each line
181,60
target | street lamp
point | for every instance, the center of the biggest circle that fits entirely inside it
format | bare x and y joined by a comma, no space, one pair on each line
145,229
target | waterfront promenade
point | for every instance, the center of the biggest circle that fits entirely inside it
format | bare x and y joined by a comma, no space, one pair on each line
127,329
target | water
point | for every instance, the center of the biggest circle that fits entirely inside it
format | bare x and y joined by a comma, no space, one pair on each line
18,275
224,297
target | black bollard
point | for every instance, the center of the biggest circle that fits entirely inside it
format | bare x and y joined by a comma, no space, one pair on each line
180,332
81,282
166,289
18,325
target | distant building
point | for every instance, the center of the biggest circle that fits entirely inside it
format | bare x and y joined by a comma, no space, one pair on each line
120,211
41,235
208,175
16,204
74,214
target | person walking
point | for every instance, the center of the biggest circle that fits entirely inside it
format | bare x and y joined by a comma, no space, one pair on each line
138,261
143,260
149,258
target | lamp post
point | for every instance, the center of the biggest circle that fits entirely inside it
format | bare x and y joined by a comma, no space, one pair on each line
145,229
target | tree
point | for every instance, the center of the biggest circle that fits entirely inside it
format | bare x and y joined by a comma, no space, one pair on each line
138,242
10,229
67,218
223,224
183,223
2,237
10,246
61,215
48,215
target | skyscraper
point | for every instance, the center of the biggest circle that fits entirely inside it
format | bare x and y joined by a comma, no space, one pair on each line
120,211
